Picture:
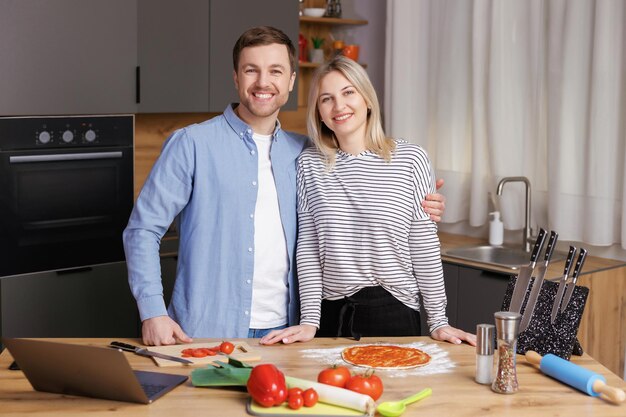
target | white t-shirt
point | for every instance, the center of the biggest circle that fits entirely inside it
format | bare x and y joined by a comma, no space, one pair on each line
270,293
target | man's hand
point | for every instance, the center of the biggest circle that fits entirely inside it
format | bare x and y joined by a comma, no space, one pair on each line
300,333
162,330
435,204
453,335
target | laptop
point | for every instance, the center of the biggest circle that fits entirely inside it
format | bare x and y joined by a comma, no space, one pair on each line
87,371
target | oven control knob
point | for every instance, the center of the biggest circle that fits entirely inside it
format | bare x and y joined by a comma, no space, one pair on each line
90,135
67,136
44,137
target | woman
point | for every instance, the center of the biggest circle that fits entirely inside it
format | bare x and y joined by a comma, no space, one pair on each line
366,248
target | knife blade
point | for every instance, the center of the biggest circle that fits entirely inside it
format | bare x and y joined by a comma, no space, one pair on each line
525,272
582,255
145,352
536,288
561,290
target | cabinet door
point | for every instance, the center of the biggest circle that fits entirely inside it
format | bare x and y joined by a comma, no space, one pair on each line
451,279
68,57
480,294
173,41
229,19
90,303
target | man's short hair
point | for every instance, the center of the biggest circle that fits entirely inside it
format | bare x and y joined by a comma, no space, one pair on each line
263,35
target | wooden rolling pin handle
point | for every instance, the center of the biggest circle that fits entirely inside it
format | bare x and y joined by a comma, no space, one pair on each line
612,394
533,357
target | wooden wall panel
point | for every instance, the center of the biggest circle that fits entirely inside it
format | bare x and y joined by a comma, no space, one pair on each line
602,332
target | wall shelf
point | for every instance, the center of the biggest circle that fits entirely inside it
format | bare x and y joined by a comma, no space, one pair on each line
332,21
312,65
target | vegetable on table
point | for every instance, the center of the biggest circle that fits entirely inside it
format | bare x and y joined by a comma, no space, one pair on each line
336,376
336,396
310,397
267,385
368,384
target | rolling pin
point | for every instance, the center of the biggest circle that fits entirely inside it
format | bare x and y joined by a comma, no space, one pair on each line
576,376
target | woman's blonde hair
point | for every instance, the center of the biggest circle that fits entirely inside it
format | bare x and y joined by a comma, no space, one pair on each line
324,138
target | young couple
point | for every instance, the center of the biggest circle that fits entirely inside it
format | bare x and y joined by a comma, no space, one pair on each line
366,244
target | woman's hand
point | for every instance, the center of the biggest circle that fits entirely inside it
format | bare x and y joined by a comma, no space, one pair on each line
453,335
300,333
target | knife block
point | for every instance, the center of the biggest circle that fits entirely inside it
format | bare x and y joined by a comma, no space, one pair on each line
541,335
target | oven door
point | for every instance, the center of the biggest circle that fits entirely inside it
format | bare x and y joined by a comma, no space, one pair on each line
63,209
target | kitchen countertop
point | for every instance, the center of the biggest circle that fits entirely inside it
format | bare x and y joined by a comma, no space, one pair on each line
554,272
454,392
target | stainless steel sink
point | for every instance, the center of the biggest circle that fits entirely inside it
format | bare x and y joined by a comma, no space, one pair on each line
502,256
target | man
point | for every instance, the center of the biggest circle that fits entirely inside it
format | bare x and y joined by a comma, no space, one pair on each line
231,182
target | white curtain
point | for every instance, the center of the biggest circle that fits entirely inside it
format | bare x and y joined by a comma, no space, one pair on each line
533,88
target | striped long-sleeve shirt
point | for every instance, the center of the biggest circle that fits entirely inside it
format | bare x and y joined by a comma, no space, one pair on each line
361,224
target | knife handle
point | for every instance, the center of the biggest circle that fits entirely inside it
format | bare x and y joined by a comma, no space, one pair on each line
554,236
541,237
582,255
568,261
123,346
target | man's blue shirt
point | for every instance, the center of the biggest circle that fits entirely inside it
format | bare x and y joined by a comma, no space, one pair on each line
208,173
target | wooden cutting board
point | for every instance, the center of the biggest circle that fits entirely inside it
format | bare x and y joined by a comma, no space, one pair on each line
242,352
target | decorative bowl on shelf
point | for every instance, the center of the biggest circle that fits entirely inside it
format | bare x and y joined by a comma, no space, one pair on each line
314,11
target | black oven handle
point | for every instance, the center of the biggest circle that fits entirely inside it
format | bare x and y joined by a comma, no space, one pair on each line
21,159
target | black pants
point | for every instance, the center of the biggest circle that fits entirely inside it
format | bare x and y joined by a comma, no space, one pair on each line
372,311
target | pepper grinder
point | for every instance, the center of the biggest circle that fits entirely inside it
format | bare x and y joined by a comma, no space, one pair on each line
485,334
507,329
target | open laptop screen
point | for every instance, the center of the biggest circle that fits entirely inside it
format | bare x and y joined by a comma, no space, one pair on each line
88,371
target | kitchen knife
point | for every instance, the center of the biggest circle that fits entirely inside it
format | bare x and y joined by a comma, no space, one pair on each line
525,272
536,288
582,255
561,290
145,352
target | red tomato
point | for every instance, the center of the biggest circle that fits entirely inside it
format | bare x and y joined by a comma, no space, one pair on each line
294,391
337,376
310,397
295,401
227,348
369,385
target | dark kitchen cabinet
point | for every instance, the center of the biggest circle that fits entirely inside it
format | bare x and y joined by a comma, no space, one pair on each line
68,57
228,20
173,41
473,296
185,50
480,294
95,302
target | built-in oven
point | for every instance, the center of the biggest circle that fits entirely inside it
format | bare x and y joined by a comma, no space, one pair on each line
66,191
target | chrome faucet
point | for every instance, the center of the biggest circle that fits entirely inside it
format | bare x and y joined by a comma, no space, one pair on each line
526,236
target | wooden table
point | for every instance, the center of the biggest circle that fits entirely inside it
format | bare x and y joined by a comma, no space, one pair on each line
454,393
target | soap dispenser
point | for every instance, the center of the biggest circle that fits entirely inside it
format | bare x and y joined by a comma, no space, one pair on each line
496,229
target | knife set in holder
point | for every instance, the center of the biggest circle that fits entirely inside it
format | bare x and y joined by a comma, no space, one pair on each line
551,311
542,336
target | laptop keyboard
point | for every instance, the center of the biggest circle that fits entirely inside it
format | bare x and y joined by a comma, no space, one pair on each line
151,390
